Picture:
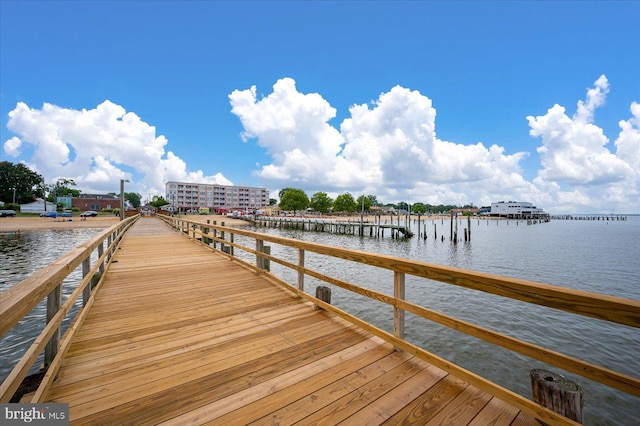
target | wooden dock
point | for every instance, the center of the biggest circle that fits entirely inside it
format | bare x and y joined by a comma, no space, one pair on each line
180,335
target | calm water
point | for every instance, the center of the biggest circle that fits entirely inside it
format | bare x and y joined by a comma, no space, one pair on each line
21,255
596,256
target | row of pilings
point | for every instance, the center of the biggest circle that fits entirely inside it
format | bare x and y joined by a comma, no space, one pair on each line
608,217
396,227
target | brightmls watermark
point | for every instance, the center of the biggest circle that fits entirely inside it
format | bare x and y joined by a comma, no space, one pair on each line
34,414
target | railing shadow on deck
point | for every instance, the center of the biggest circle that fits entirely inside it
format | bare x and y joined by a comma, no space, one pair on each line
607,308
20,299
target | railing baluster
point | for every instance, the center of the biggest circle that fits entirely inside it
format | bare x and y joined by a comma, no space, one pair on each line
54,300
86,267
259,249
301,273
100,253
398,314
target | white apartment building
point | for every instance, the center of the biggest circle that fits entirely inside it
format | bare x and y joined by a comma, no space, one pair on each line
516,209
189,196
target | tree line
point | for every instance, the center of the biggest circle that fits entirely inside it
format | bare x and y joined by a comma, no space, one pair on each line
295,199
21,185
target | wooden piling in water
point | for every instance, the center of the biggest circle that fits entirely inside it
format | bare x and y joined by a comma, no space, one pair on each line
323,293
451,227
557,393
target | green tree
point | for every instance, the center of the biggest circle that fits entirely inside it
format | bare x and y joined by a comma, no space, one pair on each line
321,202
134,198
293,199
282,192
26,182
158,201
368,202
61,188
345,203
273,202
419,208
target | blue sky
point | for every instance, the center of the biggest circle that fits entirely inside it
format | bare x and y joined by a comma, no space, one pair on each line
438,102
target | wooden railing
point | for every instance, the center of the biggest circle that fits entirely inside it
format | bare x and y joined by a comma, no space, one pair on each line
607,308
19,300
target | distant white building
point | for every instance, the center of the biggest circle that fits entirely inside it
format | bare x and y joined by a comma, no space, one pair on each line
189,196
516,209
37,206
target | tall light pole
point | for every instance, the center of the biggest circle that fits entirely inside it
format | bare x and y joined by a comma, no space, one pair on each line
122,181
14,196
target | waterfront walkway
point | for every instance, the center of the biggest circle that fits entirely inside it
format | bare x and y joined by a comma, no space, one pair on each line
181,335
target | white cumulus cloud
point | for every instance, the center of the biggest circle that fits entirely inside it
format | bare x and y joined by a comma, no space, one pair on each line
584,172
390,148
573,148
97,148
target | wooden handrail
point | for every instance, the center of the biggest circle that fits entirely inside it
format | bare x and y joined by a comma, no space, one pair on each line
20,299
608,308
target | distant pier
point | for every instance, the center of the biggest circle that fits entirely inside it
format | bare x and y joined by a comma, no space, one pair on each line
589,217
351,227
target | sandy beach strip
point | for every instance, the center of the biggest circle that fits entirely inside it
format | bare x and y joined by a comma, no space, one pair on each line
23,224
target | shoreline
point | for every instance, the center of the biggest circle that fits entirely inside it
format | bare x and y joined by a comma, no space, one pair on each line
10,225
25,224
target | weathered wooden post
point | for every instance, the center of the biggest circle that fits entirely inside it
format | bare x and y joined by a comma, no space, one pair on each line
557,393
455,233
54,300
86,292
261,262
222,238
205,231
109,248
267,262
451,227
100,253
215,235
323,293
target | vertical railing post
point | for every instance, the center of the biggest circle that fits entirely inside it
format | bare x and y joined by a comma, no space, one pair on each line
54,300
222,237
100,253
267,262
215,234
301,273
206,239
109,247
231,247
398,314
86,292
259,249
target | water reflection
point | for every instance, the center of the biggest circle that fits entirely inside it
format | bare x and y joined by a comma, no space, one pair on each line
21,255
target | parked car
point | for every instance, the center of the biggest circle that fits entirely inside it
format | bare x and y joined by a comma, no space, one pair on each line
49,214
7,213
65,214
89,213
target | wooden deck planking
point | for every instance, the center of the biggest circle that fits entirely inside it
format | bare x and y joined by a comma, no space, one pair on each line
181,335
